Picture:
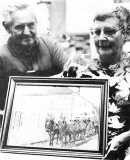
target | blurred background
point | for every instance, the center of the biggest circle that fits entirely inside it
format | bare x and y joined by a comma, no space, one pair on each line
67,21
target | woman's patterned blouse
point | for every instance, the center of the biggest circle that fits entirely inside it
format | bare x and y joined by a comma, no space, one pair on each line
119,92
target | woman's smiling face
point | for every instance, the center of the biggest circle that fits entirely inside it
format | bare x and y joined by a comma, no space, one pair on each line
108,39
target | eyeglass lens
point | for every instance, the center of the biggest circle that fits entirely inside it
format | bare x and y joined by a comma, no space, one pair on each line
107,32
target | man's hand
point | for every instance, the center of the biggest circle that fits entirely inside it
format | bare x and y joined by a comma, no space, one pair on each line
76,65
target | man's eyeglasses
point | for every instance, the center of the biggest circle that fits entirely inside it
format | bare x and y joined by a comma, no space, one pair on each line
107,32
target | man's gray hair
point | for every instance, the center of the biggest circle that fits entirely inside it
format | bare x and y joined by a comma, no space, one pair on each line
119,12
12,8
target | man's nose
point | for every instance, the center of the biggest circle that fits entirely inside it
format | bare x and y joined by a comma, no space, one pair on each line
26,30
102,36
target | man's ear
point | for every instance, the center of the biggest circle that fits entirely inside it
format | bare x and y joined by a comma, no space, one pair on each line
6,26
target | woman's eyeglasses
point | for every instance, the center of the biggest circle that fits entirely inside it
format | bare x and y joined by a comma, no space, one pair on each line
107,32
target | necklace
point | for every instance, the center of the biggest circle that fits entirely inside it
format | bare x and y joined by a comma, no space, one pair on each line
112,69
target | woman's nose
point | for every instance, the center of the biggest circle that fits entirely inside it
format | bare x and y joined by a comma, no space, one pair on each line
102,36
26,30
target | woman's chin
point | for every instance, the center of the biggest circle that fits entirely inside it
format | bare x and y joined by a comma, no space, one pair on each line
105,51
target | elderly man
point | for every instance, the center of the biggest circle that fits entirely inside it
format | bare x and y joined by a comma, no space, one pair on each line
25,53
110,32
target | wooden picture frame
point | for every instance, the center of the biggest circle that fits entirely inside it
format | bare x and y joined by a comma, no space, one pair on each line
64,117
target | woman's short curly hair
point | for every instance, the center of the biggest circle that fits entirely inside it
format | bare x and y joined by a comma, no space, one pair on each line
12,8
119,12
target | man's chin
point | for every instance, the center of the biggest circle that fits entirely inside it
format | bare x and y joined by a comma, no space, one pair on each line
27,44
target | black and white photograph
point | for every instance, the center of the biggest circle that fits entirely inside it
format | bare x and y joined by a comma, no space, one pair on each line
55,114
58,117
64,79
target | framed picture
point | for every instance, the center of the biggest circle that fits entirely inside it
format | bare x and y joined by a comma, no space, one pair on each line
64,117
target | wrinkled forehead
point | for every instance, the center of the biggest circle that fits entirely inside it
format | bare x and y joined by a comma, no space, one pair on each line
23,16
111,22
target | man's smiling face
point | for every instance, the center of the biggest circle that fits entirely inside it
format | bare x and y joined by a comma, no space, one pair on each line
24,27
108,39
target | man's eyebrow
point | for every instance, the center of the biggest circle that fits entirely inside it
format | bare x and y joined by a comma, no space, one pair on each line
22,24
19,24
97,28
112,27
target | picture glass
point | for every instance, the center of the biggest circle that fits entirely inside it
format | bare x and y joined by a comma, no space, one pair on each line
62,117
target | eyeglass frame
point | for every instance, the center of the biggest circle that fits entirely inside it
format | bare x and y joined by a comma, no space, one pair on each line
112,35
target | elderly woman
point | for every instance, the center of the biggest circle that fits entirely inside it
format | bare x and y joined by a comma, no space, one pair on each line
110,32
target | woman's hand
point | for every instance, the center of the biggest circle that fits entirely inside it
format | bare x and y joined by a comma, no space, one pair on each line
117,142
1,112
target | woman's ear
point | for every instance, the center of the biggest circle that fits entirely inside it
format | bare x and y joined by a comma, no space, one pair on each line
126,34
6,26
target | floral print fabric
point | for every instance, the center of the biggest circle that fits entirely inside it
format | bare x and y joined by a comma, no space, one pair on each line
119,92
